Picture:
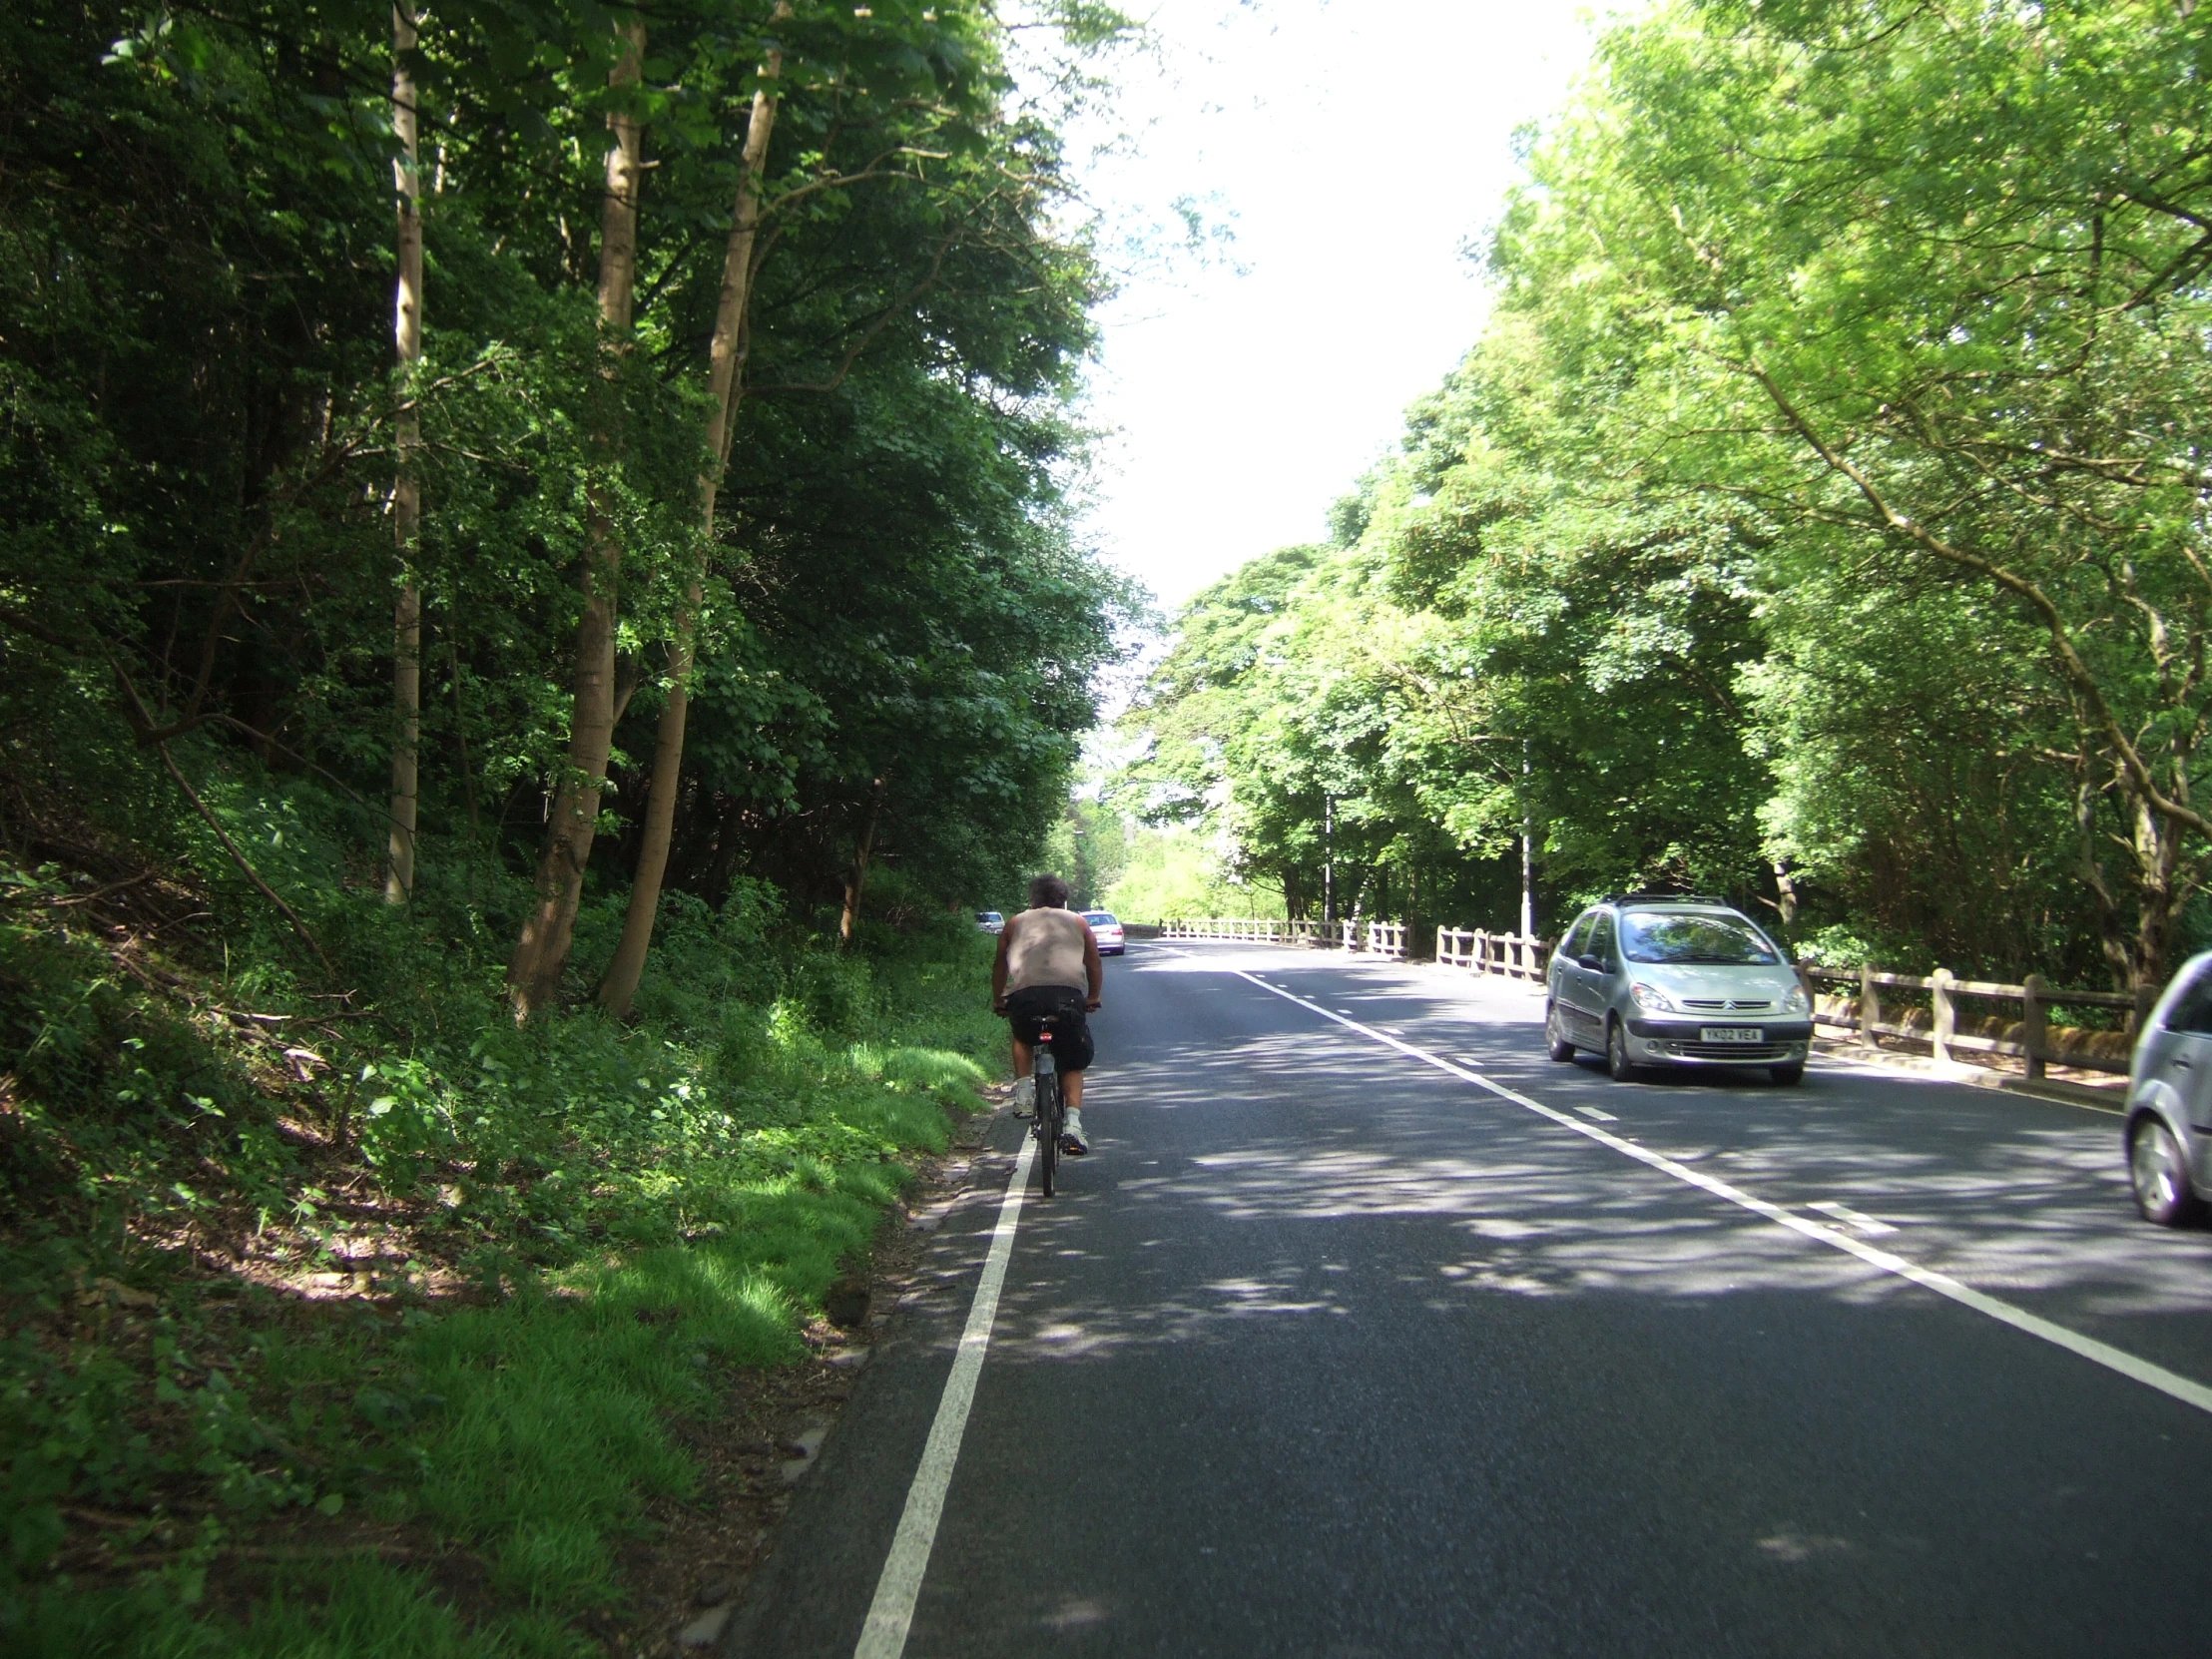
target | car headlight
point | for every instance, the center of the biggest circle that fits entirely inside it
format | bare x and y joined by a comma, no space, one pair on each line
1797,1002
1651,998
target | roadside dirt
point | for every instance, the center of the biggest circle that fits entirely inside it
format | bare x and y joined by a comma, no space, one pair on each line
685,1581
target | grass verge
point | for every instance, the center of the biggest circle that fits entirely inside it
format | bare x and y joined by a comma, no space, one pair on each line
371,1326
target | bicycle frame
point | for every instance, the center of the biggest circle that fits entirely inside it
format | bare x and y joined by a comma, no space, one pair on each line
1050,1109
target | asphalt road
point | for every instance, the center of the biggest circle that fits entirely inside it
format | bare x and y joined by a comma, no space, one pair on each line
1328,1351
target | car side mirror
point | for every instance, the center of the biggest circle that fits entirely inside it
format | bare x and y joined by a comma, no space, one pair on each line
1592,961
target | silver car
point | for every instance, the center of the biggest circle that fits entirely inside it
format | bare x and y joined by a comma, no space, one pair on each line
1649,981
2170,1101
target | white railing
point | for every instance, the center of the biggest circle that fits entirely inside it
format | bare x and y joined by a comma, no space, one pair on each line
1245,931
1514,955
1375,938
1385,938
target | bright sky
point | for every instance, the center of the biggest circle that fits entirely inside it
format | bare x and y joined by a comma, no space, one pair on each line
1354,146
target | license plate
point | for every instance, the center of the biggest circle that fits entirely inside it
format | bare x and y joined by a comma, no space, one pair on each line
1732,1034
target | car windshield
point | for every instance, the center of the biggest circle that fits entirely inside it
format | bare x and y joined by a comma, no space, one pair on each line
1721,941
1100,918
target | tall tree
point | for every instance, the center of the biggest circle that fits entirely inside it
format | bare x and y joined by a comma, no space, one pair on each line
534,971
1929,291
407,491
724,362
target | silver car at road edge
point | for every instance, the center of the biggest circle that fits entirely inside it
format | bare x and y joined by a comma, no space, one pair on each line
1690,981
2170,1101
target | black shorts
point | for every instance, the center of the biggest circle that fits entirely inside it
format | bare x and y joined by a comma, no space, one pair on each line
1029,1009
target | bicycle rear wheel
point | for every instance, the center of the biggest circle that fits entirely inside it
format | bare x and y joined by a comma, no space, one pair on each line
1048,1128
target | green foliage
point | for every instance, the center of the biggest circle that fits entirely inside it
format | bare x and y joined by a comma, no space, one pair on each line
1173,873
584,1227
1090,849
897,631
213,1132
1818,520
351,1610
1925,293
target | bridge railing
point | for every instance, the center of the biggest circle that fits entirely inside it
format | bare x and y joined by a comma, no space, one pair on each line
1385,938
1380,938
1512,955
1245,931
1503,953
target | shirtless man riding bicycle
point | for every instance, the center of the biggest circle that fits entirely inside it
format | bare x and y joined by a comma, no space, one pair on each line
1048,970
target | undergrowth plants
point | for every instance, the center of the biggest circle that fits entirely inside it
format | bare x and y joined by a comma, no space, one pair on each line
290,1275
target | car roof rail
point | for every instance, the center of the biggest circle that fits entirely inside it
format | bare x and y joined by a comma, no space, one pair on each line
1665,898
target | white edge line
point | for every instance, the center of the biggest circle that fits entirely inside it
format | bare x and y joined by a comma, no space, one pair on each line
891,1614
2167,1382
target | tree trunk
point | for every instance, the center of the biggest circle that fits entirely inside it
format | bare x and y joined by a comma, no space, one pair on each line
2112,935
534,973
721,868
725,361
2157,846
1784,887
407,496
1527,850
850,919
1328,859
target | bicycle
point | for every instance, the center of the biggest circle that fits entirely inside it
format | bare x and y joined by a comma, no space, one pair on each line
1048,1111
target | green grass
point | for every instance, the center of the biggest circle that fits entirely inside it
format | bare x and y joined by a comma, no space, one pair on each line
357,1609
634,1214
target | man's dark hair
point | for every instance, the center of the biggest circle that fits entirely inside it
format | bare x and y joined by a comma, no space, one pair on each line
1049,892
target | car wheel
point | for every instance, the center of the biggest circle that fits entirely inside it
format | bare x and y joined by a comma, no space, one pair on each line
1789,1076
2159,1174
1618,1065
1555,1046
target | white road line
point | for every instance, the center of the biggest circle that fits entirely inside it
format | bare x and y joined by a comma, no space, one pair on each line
1596,1116
1853,1218
2171,1384
892,1613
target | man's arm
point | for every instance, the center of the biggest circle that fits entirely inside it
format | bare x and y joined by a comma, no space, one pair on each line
1093,968
999,966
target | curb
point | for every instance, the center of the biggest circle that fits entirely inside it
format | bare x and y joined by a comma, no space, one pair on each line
2113,1102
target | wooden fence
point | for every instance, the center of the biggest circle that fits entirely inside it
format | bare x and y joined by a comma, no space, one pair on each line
2034,1046
1515,955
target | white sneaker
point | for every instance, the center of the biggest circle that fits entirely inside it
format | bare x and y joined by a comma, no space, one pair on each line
1071,1134
1025,1097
